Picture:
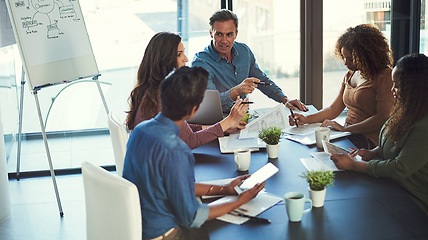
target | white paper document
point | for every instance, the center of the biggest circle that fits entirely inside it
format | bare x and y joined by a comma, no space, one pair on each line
257,205
303,129
277,116
309,139
320,161
330,148
232,142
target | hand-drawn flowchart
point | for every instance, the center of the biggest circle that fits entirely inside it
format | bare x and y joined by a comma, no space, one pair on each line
46,13
50,30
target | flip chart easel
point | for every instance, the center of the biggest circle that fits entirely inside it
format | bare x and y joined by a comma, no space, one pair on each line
55,49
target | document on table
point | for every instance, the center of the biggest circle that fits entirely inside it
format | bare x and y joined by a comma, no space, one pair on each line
320,161
257,205
277,116
303,129
309,139
232,142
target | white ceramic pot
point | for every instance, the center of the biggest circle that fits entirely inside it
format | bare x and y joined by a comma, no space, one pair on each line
317,197
272,150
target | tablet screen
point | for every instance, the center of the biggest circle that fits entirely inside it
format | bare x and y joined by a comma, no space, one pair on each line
259,176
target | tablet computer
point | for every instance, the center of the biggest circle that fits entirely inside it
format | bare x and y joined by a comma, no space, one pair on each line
259,176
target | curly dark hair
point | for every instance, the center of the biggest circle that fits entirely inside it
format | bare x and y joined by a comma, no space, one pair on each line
369,48
410,78
160,58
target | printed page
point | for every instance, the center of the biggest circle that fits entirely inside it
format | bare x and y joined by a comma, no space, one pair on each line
320,161
330,148
309,139
257,205
233,142
277,116
303,129
253,144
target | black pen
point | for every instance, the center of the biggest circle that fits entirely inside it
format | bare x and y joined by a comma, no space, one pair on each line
292,114
263,83
247,102
254,219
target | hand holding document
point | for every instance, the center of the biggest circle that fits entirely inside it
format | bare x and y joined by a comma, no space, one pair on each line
330,148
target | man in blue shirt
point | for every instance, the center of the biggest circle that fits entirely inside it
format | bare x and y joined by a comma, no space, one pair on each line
161,165
232,66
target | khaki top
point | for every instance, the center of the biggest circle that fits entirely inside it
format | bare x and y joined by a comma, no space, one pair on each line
361,100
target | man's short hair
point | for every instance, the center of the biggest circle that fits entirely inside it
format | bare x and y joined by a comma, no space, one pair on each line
182,90
223,15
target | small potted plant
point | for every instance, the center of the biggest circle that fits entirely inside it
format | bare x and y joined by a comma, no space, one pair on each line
318,182
271,137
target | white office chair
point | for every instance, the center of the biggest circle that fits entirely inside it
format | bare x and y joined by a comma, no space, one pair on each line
119,138
113,209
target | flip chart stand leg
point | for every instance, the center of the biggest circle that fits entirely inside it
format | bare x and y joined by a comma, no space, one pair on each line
61,213
21,112
95,78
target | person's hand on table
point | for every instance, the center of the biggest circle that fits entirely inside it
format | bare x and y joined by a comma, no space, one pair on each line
301,120
295,103
343,161
333,124
365,154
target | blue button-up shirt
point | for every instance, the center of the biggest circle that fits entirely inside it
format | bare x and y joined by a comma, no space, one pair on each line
161,165
225,75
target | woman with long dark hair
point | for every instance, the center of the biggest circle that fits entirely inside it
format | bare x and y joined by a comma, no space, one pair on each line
164,53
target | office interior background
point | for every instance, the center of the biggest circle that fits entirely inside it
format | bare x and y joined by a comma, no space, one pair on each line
278,31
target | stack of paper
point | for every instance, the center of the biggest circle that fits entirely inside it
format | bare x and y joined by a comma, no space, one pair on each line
305,134
257,205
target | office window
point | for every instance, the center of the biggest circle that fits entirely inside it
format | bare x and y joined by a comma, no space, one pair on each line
271,28
338,16
119,32
424,32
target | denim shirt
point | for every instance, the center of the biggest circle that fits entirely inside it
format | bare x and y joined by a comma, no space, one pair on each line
225,75
161,165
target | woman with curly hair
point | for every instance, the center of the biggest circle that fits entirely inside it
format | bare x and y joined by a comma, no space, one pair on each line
401,153
164,53
365,88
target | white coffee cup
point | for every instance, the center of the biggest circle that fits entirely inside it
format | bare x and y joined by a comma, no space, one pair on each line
295,204
242,159
322,133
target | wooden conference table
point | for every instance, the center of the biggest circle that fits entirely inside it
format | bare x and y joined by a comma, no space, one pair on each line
357,207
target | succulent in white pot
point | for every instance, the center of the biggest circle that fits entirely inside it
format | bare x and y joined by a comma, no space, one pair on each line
318,182
271,137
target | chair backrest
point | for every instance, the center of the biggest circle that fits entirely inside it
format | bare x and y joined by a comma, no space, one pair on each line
113,210
119,138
